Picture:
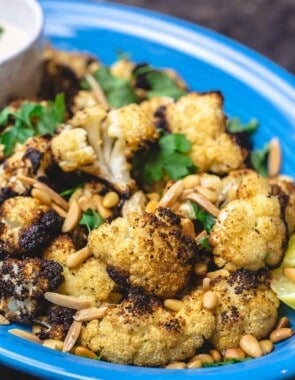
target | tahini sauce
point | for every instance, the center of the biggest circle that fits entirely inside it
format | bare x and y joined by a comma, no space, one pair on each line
12,39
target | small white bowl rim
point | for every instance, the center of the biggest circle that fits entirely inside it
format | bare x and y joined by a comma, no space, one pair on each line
34,35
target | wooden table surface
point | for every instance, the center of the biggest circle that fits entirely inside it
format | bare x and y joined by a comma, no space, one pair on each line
267,29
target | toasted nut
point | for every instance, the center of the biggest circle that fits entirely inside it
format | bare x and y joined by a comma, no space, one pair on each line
194,364
283,322
216,355
233,353
3,320
217,273
72,218
85,352
25,335
280,334
200,269
204,358
172,194
274,157
153,197
266,345
78,258
85,203
204,203
72,336
206,283
68,301
90,313
151,206
173,304
52,194
250,345
53,343
207,193
76,195
41,196
290,274
210,300
200,236
110,200
188,228
103,211
176,365
59,210
191,181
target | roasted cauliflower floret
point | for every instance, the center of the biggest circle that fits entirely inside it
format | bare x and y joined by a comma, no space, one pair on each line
71,149
26,226
200,117
89,279
250,231
246,305
23,284
146,250
140,331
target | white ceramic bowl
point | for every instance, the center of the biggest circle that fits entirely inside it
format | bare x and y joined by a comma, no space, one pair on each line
20,49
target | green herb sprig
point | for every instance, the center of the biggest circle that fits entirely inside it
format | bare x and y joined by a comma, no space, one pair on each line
258,159
91,219
234,125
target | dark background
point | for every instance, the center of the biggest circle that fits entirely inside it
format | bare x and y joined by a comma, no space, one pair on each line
267,26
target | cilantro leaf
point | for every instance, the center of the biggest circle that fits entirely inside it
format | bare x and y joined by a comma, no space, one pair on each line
4,116
204,217
234,125
175,142
69,192
258,159
226,362
91,219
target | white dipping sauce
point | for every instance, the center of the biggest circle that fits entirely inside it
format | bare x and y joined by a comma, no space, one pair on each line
12,39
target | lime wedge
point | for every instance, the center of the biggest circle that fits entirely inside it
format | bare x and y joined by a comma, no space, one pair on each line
289,259
283,287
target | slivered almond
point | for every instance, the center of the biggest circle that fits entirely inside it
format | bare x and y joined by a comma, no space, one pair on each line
72,336
3,320
68,301
77,258
204,203
90,313
188,228
97,202
53,195
26,180
85,352
96,89
171,195
25,335
41,196
59,210
274,157
72,218
207,193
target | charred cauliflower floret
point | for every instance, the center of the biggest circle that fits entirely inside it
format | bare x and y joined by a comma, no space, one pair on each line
146,250
141,331
200,117
250,231
26,226
246,305
23,284
89,279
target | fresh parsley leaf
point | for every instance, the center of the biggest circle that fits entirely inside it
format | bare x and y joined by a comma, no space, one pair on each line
4,116
204,217
234,125
226,362
204,242
69,192
258,159
118,91
167,158
91,219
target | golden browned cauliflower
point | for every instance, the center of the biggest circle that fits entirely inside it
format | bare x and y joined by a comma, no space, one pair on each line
141,331
26,226
246,305
250,230
89,279
146,250
200,117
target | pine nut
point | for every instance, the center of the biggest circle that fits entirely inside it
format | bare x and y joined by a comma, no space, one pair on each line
176,365
233,353
110,200
207,193
266,345
85,203
204,358
200,269
103,211
83,351
250,345
206,283
153,197
3,320
77,258
151,206
172,194
53,343
41,196
90,313
72,218
190,181
72,336
282,322
76,195
216,355
68,301
204,203
280,334
290,274
25,335
59,210
194,364
188,228
173,304
274,157
210,300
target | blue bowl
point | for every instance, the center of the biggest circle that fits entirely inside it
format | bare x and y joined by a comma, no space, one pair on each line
252,86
